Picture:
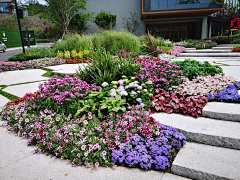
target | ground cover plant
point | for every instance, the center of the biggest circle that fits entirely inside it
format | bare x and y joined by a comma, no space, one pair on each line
228,94
193,68
78,60
236,48
198,44
170,103
32,64
35,53
202,85
51,120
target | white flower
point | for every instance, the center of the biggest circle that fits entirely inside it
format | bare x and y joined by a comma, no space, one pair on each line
104,84
149,82
145,90
113,93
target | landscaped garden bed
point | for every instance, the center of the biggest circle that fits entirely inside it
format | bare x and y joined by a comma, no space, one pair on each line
102,115
198,44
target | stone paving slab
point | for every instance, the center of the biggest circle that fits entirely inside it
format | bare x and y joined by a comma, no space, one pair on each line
67,68
204,130
198,161
223,111
233,71
209,51
230,54
18,161
3,101
21,89
21,76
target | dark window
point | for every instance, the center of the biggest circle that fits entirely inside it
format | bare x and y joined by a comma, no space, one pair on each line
4,8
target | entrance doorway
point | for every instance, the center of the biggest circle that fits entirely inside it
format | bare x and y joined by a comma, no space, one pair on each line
175,31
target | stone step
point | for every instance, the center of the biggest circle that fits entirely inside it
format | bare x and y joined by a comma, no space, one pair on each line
223,111
230,54
191,48
226,45
198,161
204,130
208,51
209,59
221,48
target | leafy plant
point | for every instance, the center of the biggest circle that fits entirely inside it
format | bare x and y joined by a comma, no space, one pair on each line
105,20
169,103
151,45
193,68
105,69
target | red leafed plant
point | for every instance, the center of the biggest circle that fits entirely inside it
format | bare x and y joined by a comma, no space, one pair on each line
236,50
169,103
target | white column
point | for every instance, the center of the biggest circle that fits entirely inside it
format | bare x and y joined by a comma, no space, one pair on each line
204,27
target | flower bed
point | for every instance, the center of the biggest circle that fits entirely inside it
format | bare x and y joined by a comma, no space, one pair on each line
59,120
177,50
78,60
198,44
32,64
159,73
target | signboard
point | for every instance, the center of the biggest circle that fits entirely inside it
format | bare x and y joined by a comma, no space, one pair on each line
235,23
11,37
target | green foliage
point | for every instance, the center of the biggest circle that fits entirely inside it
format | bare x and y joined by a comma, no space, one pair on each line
105,69
61,12
111,41
79,22
105,20
236,46
165,48
11,23
33,54
76,42
151,45
193,68
102,103
34,8
225,40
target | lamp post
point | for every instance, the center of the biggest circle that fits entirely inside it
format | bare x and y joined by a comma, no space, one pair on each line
19,26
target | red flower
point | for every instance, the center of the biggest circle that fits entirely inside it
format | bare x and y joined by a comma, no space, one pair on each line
40,132
151,119
145,131
62,144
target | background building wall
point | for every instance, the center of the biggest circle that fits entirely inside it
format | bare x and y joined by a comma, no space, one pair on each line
120,8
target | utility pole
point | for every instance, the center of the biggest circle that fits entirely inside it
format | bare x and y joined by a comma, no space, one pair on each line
19,26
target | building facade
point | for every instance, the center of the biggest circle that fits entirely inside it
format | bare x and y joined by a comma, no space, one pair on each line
7,7
172,19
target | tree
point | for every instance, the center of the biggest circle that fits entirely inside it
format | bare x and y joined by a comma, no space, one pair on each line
131,23
79,22
230,7
61,12
105,20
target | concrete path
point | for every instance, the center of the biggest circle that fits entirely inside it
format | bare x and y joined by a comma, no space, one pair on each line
21,89
3,101
67,68
21,76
